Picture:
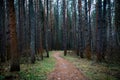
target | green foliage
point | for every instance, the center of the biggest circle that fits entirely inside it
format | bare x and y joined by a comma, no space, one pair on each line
37,71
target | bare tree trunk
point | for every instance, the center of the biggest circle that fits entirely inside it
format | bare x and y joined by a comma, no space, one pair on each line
99,38
32,28
40,25
117,30
88,29
2,32
86,23
15,65
74,26
46,32
110,39
27,29
21,26
80,33
117,21
64,29
104,31
8,55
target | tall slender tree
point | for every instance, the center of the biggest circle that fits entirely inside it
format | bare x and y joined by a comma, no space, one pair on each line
21,25
88,29
104,30
117,29
74,25
117,21
99,22
80,33
51,27
41,26
2,32
64,29
27,29
37,36
8,55
32,28
110,47
46,32
86,23
15,65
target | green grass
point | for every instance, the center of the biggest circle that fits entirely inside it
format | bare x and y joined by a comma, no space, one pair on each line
37,71
91,69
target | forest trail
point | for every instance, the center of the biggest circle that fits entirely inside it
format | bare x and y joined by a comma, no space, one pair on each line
64,70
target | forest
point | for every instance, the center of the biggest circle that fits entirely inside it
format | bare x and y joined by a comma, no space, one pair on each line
59,40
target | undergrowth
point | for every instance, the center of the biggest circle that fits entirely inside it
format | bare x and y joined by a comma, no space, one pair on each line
37,71
94,70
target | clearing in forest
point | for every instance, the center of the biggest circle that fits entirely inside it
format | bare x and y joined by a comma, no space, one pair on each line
64,70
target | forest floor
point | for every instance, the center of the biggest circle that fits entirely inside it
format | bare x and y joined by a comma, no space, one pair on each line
37,71
65,70
92,69
60,67
72,67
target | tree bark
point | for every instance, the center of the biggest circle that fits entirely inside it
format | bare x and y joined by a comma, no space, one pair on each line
99,38
117,21
104,31
2,32
32,28
80,33
46,32
64,29
15,65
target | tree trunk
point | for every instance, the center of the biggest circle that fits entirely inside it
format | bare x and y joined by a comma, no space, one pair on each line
46,32
2,32
80,33
117,30
41,26
32,28
109,31
99,38
15,65
21,26
8,55
117,21
88,29
64,29
104,31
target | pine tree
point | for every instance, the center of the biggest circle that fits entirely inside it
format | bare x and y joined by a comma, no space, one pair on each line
46,32
99,26
15,65
2,32
32,33
80,33
64,29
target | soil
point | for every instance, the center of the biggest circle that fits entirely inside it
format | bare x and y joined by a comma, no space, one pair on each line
65,70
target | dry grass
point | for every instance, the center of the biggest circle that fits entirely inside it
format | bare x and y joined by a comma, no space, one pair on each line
93,70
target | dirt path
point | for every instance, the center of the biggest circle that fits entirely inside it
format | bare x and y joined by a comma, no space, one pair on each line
65,70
